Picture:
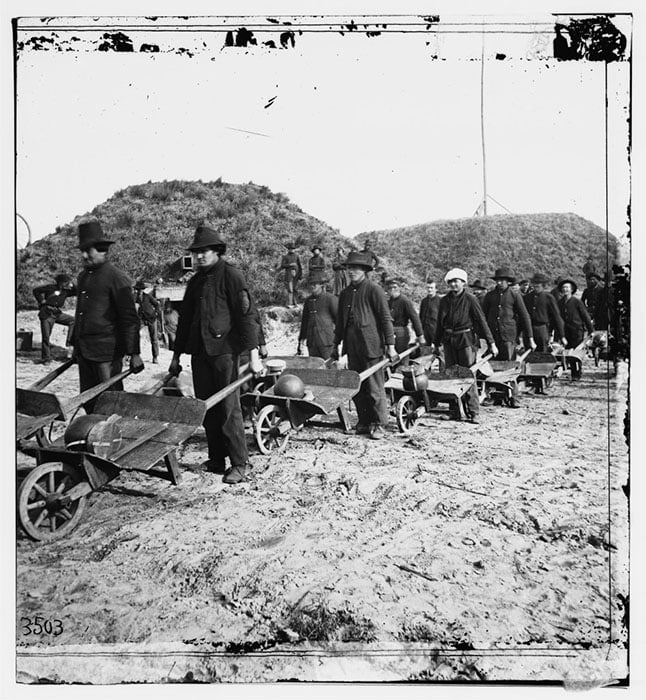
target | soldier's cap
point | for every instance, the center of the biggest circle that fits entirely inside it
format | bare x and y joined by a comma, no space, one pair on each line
456,274
317,277
62,278
568,281
315,248
394,282
478,285
91,234
290,245
140,284
539,278
593,274
524,282
206,237
358,259
504,273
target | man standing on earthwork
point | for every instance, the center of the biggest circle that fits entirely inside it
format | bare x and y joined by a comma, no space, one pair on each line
319,317
51,300
106,325
292,272
149,313
460,323
364,326
216,323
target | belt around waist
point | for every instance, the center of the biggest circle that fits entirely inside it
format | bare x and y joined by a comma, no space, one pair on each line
451,331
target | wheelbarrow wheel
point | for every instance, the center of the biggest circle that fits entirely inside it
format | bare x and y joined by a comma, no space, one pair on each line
406,414
268,436
43,512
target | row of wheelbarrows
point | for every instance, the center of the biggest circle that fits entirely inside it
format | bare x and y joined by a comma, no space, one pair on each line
142,431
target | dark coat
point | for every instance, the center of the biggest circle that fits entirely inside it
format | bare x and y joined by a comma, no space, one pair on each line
291,264
367,305
217,313
316,264
319,318
149,308
543,310
429,310
460,320
506,314
575,315
403,312
51,299
106,325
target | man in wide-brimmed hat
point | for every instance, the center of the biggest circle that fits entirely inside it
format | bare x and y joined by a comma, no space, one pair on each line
403,313
363,327
106,325
590,296
478,290
544,313
150,313
216,323
51,300
293,271
317,262
459,325
319,317
576,318
507,318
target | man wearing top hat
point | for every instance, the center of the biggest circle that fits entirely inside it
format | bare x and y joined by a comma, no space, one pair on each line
576,318
319,317
51,300
149,313
106,325
460,323
544,313
363,327
217,322
293,271
317,261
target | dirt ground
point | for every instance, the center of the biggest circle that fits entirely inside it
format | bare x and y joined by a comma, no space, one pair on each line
461,552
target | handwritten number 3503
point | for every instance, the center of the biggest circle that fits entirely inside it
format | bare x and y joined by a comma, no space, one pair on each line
41,625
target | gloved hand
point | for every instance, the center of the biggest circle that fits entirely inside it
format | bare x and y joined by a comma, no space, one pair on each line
532,343
255,365
493,349
262,351
335,354
136,363
392,353
174,367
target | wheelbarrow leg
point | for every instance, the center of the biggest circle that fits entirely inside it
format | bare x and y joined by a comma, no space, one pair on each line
173,468
344,418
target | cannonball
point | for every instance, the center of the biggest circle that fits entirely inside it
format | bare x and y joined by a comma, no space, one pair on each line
414,382
290,385
75,437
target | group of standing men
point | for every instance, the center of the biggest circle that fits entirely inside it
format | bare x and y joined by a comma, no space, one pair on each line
219,321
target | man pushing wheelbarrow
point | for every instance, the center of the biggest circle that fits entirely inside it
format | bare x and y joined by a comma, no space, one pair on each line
216,324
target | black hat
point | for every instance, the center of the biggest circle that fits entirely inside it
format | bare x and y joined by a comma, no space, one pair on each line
595,275
206,237
539,278
140,284
359,259
290,245
62,278
394,281
477,284
524,282
504,273
315,247
91,235
572,282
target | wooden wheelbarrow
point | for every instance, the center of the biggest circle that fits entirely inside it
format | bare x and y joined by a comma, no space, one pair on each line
498,382
571,358
539,370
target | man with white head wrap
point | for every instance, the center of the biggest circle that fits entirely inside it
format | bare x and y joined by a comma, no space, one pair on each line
460,322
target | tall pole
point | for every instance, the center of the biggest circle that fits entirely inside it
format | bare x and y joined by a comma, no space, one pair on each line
484,157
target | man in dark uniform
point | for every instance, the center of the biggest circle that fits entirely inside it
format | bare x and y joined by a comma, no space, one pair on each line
319,318
216,323
364,326
51,300
523,286
403,312
317,261
576,318
590,296
149,313
340,273
106,325
428,312
293,271
507,317
478,290
367,250
460,323
544,313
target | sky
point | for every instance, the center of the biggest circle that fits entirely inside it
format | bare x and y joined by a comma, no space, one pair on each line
362,133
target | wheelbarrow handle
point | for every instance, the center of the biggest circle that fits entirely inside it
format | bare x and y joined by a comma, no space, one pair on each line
159,385
94,391
223,393
387,362
50,376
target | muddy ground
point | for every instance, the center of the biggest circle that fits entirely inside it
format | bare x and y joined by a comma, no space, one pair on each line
460,552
